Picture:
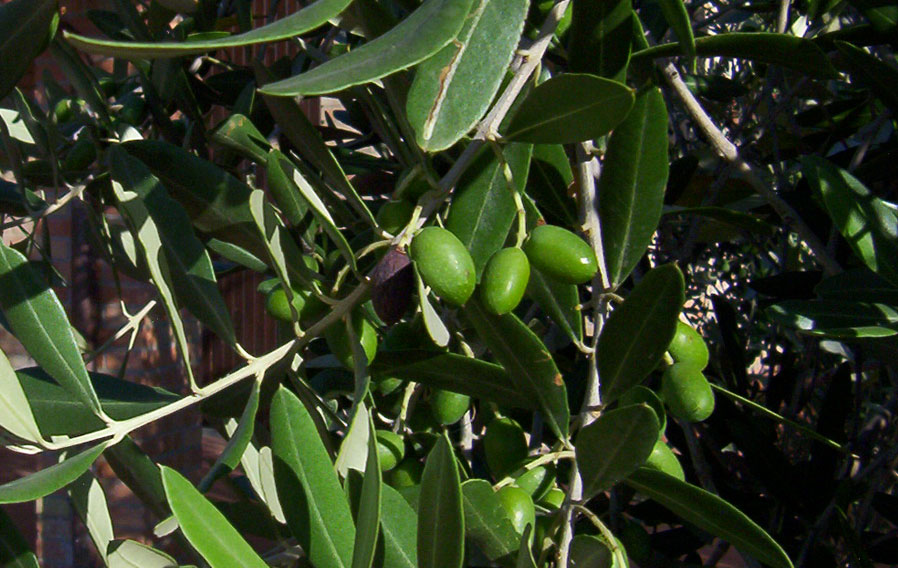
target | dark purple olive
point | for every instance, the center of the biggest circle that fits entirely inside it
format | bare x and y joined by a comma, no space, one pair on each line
392,283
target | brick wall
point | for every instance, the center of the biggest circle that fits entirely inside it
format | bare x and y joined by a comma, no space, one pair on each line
92,302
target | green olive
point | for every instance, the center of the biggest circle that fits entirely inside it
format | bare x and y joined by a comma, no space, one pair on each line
394,215
560,254
553,499
505,446
407,473
277,306
518,507
687,393
448,407
444,264
664,460
390,449
688,346
338,339
537,481
80,156
504,280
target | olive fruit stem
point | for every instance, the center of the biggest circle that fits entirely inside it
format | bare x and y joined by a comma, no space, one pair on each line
509,183
607,536
551,457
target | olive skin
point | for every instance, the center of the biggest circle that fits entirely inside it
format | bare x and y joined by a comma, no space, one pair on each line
553,499
444,264
560,254
686,392
394,215
518,506
504,280
664,460
537,481
406,474
505,446
277,306
390,449
448,407
688,346
338,339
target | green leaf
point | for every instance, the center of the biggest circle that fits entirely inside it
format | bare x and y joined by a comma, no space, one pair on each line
483,208
48,480
710,513
525,554
133,554
368,521
26,26
307,485
187,262
398,526
435,327
457,373
14,551
305,20
527,361
637,334
424,32
90,503
613,446
601,36
860,285
788,51
353,452
486,521
238,133
453,88
16,415
548,182
730,217
837,318
560,301
38,320
866,222
588,551
205,527
678,19
58,414
865,69
441,521
140,474
283,190
634,176
570,108
229,458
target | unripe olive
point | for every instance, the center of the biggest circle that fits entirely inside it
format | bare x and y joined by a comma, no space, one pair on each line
505,446
338,339
80,156
554,499
277,306
687,393
561,254
448,407
407,473
664,460
504,280
688,346
444,264
394,215
537,481
390,449
518,506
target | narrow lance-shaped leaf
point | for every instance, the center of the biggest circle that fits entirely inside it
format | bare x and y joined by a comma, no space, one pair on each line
424,32
38,320
866,222
637,334
239,440
453,88
435,327
307,485
560,301
25,28
90,502
353,452
877,75
205,527
133,554
527,361
601,36
631,188
614,445
710,513
305,20
441,522
16,416
188,262
486,521
678,19
398,525
368,522
569,108
14,551
837,318
48,480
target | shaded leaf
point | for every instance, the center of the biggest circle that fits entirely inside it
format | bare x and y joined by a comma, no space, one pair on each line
614,445
230,457
880,77
860,285
398,526
710,513
837,318
424,32
26,26
486,521
588,551
205,527
527,361
368,521
634,176
601,35
678,19
560,301
305,20
441,522
50,479
14,551
637,333
570,108
548,183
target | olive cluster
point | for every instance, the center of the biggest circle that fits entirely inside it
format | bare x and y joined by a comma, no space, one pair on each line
446,266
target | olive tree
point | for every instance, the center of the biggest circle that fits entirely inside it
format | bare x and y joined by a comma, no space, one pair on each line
624,289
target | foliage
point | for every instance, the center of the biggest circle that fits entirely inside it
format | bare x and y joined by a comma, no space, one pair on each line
749,193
